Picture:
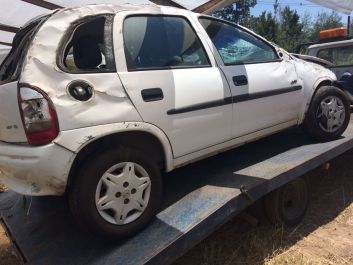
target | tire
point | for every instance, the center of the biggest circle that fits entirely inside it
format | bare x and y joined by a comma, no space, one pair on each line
287,205
89,183
316,122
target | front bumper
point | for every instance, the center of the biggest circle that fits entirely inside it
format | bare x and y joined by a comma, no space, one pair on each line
35,171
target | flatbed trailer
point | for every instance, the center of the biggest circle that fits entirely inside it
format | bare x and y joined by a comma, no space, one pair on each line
198,199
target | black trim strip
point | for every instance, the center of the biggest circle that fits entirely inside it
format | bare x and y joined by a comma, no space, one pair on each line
234,99
263,94
206,105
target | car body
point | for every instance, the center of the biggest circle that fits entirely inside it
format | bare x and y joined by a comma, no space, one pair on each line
165,81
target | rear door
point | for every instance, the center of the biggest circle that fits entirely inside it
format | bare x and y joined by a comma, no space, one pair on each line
172,79
266,90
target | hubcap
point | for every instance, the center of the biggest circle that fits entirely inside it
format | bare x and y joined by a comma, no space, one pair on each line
123,193
330,114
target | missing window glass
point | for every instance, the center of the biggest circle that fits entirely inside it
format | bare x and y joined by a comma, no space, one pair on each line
90,47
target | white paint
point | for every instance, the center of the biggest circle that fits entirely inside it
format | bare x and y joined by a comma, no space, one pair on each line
35,170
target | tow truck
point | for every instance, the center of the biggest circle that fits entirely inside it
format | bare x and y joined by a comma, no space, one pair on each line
334,49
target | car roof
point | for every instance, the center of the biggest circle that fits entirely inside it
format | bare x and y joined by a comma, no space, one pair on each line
115,8
331,44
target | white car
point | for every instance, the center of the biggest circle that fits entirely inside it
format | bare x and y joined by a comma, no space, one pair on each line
97,101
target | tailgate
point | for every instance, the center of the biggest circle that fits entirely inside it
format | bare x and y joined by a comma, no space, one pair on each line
11,128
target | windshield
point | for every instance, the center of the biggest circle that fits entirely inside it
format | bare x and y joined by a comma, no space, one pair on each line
11,67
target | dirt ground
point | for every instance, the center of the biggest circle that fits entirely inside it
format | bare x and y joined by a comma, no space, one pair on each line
324,237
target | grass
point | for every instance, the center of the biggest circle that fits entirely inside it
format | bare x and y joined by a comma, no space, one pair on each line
2,187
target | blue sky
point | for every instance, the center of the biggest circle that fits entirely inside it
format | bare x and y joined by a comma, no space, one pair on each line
301,6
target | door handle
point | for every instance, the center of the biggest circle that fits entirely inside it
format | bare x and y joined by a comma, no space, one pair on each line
152,94
240,80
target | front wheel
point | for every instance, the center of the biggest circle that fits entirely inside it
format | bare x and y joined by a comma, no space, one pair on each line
328,114
116,193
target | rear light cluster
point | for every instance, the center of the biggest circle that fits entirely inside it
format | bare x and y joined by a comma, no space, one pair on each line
39,117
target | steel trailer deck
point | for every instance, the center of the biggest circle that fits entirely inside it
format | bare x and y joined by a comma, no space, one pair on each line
198,199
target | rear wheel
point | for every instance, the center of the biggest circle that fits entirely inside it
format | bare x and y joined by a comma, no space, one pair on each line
287,205
116,193
328,115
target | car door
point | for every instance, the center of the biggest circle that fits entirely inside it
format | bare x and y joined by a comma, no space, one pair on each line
172,79
265,88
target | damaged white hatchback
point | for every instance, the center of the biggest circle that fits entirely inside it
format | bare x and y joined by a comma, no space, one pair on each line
97,101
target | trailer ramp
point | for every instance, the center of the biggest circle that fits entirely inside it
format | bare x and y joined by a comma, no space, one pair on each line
197,200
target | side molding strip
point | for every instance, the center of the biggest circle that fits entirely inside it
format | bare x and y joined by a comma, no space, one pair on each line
234,99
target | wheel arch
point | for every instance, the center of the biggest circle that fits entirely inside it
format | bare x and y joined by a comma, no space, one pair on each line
324,81
146,137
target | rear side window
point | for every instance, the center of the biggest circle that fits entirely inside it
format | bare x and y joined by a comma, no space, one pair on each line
11,67
237,46
161,42
340,56
89,47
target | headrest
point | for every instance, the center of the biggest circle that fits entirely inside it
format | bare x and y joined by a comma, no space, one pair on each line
87,54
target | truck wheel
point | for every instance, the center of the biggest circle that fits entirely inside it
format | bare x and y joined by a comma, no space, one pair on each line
287,205
328,115
116,193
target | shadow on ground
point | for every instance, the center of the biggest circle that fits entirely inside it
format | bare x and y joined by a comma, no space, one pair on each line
239,242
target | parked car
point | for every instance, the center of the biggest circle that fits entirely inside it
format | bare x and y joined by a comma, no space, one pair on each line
335,50
97,101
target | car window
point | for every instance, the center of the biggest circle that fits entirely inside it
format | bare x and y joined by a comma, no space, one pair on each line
161,42
89,48
340,56
235,45
11,66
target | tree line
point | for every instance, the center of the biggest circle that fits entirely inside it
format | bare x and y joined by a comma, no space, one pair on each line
282,25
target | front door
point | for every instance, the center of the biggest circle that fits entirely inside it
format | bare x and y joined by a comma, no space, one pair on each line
265,88
172,79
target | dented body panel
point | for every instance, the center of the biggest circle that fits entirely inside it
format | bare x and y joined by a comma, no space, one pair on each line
35,171
311,75
116,105
11,127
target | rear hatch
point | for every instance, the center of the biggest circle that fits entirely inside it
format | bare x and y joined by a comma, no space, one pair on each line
11,126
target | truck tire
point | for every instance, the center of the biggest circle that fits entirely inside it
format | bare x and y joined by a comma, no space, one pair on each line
287,205
116,193
328,114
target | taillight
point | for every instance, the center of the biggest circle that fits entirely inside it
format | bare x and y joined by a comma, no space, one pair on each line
38,115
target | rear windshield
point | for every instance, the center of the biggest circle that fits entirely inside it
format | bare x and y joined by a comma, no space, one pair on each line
11,67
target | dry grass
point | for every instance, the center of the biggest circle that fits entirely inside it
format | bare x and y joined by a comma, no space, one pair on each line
7,254
2,187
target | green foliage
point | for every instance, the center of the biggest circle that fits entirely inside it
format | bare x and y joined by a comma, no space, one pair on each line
290,29
325,21
286,31
284,26
266,26
238,13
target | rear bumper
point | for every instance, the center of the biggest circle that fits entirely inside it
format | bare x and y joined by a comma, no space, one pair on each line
35,171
